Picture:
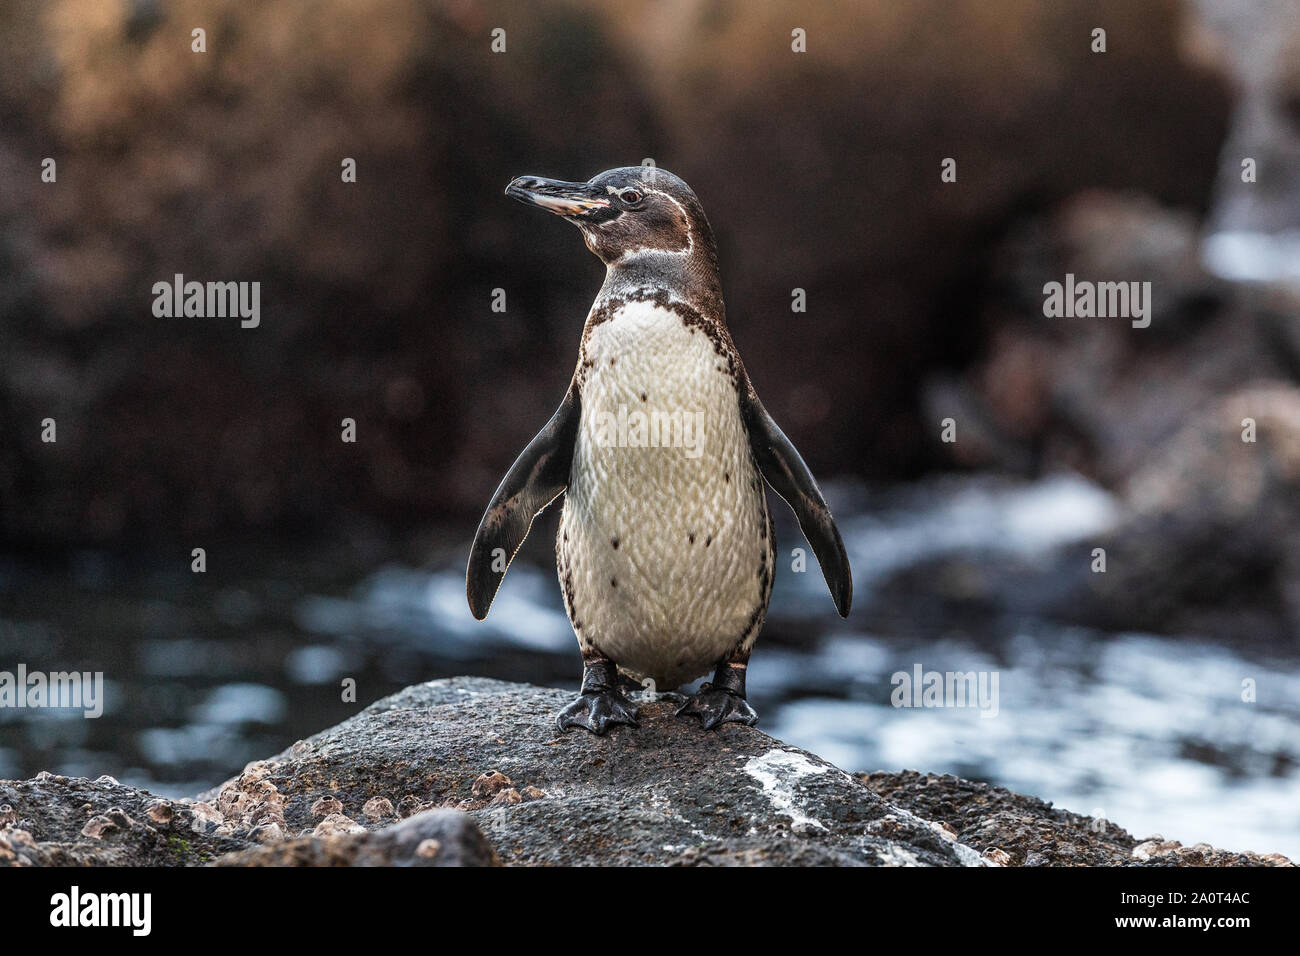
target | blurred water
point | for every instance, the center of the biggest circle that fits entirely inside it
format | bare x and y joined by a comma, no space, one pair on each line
1151,733
1253,228
208,672
1254,256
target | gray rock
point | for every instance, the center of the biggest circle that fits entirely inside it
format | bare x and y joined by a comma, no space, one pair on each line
1024,831
442,756
72,821
666,792
431,838
1211,541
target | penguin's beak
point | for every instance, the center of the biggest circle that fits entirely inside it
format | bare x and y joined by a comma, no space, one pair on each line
561,198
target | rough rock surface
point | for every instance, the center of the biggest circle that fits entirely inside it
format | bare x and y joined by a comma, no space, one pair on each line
470,771
53,820
431,838
1016,830
663,793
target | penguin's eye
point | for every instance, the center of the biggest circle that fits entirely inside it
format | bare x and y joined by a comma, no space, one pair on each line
630,196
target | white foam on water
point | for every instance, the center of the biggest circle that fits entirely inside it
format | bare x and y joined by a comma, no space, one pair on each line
1253,256
1150,731
1028,520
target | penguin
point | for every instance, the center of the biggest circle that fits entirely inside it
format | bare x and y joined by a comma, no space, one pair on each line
660,447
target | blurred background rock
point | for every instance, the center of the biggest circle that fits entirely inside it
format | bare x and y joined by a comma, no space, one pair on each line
819,171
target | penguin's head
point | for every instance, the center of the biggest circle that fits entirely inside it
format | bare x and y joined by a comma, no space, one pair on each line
624,212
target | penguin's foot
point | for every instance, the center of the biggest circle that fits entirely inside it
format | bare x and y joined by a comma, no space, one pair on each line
716,706
601,704
598,711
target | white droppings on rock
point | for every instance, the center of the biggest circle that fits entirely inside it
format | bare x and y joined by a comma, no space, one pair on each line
894,855
1155,846
779,771
966,855
969,856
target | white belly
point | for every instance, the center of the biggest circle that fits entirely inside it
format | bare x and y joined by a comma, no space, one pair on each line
665,551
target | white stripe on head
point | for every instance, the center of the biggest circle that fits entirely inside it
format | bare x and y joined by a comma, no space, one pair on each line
639,251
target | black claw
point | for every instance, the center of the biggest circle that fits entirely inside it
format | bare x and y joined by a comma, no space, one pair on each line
597,712
716,706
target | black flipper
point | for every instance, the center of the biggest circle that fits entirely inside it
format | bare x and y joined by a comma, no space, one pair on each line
785,471
539,475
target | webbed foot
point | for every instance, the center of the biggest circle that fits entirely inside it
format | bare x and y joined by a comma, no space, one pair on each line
598,712
601,705
721,700
716,707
